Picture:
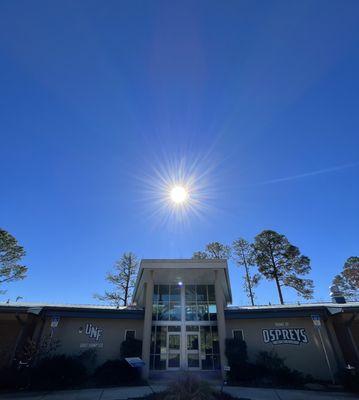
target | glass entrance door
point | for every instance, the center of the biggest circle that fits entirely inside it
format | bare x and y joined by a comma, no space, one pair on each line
193,347
174,350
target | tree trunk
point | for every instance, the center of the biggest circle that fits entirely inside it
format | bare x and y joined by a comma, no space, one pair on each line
125,298
277,280
126,290
249,286
248,279
279,289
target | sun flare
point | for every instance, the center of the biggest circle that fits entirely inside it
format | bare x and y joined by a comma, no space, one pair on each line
179,194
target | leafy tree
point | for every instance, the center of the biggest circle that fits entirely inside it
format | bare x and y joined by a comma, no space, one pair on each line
243,254
279,260
213,250
351,271
10,255
200,255
348,280
123,280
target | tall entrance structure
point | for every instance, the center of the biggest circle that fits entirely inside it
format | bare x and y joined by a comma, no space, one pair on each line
184,323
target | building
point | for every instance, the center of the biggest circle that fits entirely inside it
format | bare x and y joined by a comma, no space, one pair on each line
183,316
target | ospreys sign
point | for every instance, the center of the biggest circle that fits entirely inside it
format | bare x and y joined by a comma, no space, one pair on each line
285,336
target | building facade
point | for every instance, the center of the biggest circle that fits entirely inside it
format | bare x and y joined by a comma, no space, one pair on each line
183,316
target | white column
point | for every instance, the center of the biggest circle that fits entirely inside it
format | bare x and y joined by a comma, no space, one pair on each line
147,326
183,330
220,303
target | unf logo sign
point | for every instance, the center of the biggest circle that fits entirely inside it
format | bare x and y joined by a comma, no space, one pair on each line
285,336
93,331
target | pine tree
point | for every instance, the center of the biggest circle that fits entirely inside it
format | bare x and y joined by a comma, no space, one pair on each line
213,250
244,256
10,255
348,280
122,279
279,260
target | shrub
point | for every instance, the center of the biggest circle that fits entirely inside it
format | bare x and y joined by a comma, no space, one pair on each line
236,351
270,361
273,367
268,368
349,379
131,347
189,387
119,372
88,359
13,378
59,371
116,372
241,369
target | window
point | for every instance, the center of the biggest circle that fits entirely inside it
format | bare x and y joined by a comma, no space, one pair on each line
166,303
238,334
158,347
200,303
192,326
174,329
130,334
209,348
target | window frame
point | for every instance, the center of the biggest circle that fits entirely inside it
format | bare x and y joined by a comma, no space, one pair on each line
130,330
236,330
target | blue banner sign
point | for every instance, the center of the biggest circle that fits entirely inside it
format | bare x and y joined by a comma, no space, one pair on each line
135,362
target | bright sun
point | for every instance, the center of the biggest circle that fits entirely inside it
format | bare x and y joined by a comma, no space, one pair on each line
179,194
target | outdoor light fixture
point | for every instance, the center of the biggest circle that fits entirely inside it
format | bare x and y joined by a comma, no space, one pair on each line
180,283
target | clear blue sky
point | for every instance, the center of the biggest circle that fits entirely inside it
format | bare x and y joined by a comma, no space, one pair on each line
99,100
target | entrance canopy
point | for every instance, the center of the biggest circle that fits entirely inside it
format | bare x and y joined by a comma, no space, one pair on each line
182,272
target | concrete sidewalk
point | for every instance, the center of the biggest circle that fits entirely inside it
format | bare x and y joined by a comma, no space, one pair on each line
285,394
122,393
119,393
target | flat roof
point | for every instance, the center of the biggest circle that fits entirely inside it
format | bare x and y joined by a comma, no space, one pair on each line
183,260
61,305
185,264
55,309
324,309
73,310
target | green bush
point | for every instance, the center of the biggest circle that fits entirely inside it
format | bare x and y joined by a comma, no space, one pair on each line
59,371
269,368
236,351
119,372
88,359
131,348
62,371
241,369
116,372
273,367
189,387
349,379
54,372
14,378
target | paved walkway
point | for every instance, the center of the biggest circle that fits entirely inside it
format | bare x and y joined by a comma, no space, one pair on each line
285,394
122,393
